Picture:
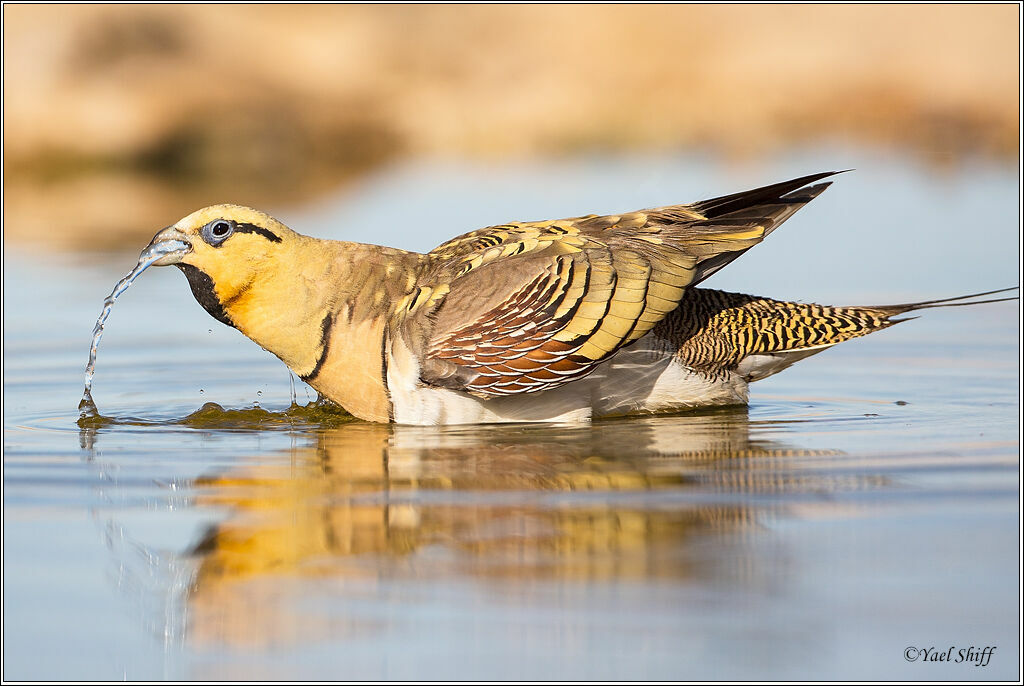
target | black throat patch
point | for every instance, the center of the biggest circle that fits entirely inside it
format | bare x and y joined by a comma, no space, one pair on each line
202,288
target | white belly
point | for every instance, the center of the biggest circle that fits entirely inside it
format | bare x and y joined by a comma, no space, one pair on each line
641,379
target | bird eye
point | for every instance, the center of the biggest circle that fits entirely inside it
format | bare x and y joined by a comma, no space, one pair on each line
217,231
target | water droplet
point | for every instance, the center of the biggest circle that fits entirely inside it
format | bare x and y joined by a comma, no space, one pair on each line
201,391
87,408
259,393
209,331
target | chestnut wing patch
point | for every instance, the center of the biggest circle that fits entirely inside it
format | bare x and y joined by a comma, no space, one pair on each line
559,325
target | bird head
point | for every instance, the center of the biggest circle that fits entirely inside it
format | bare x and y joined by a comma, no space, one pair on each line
222,249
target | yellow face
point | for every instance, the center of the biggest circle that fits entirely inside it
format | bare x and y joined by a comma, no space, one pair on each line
229,247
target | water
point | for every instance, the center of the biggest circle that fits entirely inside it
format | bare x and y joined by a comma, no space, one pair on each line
149,256
866,502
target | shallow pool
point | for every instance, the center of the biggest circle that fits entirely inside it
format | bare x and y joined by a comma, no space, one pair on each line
865,504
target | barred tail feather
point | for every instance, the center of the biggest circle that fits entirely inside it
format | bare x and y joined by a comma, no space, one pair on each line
715,331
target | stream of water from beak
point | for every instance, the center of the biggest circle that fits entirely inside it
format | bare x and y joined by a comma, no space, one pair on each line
152,254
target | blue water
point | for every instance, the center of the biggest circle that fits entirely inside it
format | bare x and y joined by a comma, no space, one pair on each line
817,535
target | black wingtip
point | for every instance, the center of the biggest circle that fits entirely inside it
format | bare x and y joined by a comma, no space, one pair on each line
806,193
716,207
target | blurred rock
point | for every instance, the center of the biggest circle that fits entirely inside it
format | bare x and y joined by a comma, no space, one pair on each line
274,102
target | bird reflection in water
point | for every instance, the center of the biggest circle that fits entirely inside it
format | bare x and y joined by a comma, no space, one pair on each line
368,509
368,506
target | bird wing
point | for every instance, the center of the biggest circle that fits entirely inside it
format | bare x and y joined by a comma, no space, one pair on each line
529,306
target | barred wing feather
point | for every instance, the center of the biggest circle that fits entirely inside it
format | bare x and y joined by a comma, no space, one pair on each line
527,307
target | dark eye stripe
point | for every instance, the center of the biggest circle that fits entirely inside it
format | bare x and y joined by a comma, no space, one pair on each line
241,227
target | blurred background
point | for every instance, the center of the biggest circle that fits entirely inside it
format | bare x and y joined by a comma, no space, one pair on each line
119,120
867,500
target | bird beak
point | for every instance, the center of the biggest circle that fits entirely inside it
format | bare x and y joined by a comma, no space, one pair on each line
171,244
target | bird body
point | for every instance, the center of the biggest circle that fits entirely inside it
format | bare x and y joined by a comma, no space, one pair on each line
563,320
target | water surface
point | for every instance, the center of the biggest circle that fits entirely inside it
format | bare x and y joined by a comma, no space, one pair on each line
866,502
